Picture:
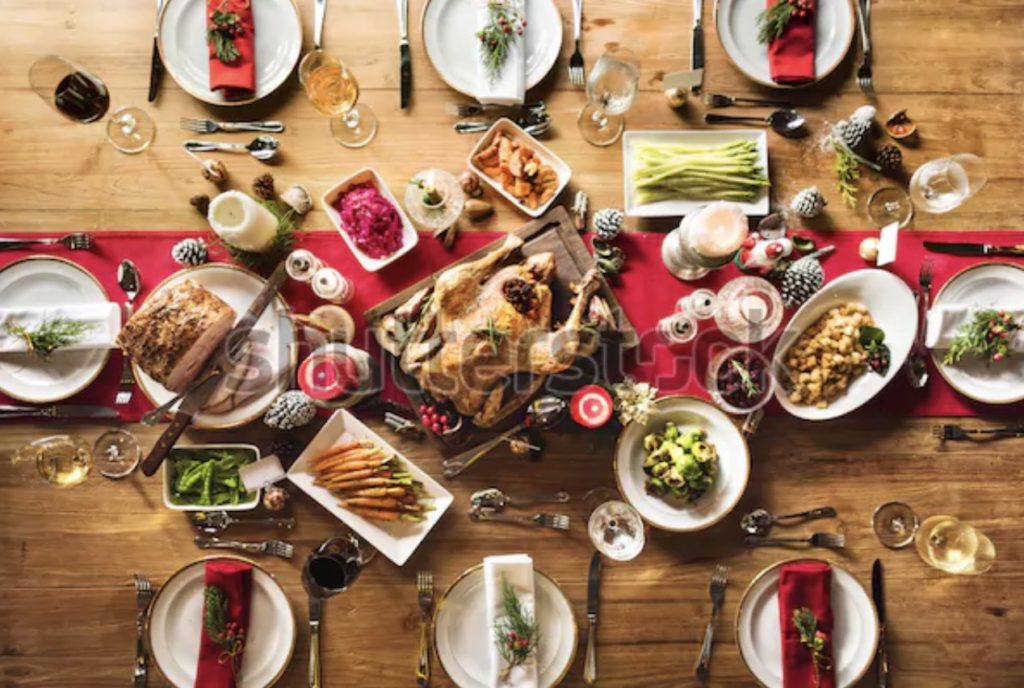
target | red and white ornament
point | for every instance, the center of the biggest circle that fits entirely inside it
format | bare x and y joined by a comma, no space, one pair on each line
760,255
591,406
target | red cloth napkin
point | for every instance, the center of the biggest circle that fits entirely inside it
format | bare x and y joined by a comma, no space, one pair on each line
805,584
239,77
791,55
235,579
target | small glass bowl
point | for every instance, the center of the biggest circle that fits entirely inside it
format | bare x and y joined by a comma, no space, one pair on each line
723,358
116,453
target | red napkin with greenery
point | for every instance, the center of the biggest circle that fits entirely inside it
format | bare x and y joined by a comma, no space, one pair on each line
805,614
232,44
226,601
791,55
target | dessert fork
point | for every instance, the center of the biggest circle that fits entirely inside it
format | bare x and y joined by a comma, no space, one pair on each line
546,520
717,593
917,366
951,431
208,126
576,73
143,596
78,241
864,79
425,598
277,548
829,540
717,100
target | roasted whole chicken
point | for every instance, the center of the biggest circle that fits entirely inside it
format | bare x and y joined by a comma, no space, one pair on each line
482,335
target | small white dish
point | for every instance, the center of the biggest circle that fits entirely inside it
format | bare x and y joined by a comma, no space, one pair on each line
395,540
854,632
708,138
168,479
995,285
546,155
176,619
892,306
736,23
181,38
462,638
449,35
409,236
670,513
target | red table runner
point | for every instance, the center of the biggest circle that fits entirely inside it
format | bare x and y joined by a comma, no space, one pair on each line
646,290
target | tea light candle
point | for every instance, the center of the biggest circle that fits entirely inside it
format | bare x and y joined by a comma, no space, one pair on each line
242,222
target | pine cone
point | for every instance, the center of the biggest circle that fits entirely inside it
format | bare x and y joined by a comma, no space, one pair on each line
608,223
290,410
286,449
890,157
855,133
263,187
808,203
190,252
801,281
201,203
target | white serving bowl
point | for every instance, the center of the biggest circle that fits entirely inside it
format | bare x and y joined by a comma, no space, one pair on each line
168,480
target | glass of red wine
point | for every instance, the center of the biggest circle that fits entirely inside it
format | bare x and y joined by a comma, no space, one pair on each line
81,96
335,564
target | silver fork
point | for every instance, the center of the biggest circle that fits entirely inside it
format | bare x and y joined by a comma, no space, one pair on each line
576,77
717,592
916,366
128,279
208,126
864,71
143,596
829,540
425,598
78,241
545,520
277,548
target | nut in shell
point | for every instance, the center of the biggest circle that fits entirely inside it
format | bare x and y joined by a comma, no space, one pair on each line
676,97
868,249
214,171
298,198
470,183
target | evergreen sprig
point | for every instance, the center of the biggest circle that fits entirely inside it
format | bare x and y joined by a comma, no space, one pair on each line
750,386
221,629
225,27
492,333
281,245
50,335
986,337
516,633
772,21
806,624
506,25
848,173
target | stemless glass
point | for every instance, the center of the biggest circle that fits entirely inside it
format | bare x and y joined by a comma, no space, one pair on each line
890,204
950,545
611,90
939,186
751,309
81,96
895,524
615,528
335,564
333,90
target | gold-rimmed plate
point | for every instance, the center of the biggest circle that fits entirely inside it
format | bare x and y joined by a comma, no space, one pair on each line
176,617
39,281
854,632
462,637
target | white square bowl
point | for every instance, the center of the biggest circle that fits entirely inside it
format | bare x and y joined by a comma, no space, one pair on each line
547,157
168,480
396,540
409,236
702,138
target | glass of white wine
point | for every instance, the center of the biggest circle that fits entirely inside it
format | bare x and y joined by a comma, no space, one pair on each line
615,528
60,460
611,90
333,90
939,186
950,545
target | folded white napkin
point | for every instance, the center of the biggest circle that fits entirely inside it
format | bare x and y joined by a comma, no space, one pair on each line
517,569
509,86
104,319
943,323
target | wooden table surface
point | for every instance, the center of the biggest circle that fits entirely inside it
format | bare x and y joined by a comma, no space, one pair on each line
67,606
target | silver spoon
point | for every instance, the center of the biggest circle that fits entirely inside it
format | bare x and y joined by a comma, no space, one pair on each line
789,123
543,413
760,521
493,499
262,147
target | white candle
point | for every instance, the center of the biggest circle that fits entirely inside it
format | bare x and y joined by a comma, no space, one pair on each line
718,229
242,222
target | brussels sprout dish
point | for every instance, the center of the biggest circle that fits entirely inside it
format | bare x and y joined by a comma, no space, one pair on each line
679,463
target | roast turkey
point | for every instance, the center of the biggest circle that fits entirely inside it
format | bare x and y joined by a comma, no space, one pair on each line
175,332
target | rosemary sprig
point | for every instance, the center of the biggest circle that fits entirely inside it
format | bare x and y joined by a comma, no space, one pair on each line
516,633
772,21
848,173
494,334
226,26
220,628
806,624
987,337
751,387
506,25
50,335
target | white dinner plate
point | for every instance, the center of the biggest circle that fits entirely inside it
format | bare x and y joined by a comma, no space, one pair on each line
39,281
462,638
696,138
396,540
670,512
176,618
274,331
449,28
995,285
181,36
736,23
892,306
854,632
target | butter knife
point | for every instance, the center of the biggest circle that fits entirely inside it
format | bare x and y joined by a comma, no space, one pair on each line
962,248
156,67
405,60
593,595
878,593
63,411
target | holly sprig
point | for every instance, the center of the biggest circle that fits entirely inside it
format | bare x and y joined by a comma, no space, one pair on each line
221,629
225,27
873,341
986,337
773,21
516,632
50,335
506,25
815,640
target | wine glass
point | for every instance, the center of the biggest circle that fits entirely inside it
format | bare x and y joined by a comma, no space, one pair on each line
615,528
611,90
335,564
751,309
81,96
950,545
895,524
890,204
939,186
333,90
60,460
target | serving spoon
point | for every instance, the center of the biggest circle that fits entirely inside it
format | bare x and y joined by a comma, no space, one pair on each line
785,122
493,499
262,147
760,521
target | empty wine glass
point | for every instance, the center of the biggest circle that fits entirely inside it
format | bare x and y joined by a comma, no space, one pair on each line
890,204
81,96
939,186
895,524
615,528
333,90
611,90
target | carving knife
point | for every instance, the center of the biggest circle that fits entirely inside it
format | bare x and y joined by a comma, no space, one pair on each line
593,595
405,60
194,401
959,248
156,67
878,593
692,79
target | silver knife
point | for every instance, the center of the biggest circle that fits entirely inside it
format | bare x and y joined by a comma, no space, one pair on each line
697,49
405,60
316,607
62,411
593,595
156,67
963,248
878,593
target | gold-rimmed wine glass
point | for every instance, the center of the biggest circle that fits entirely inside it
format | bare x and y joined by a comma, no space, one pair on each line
334,91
